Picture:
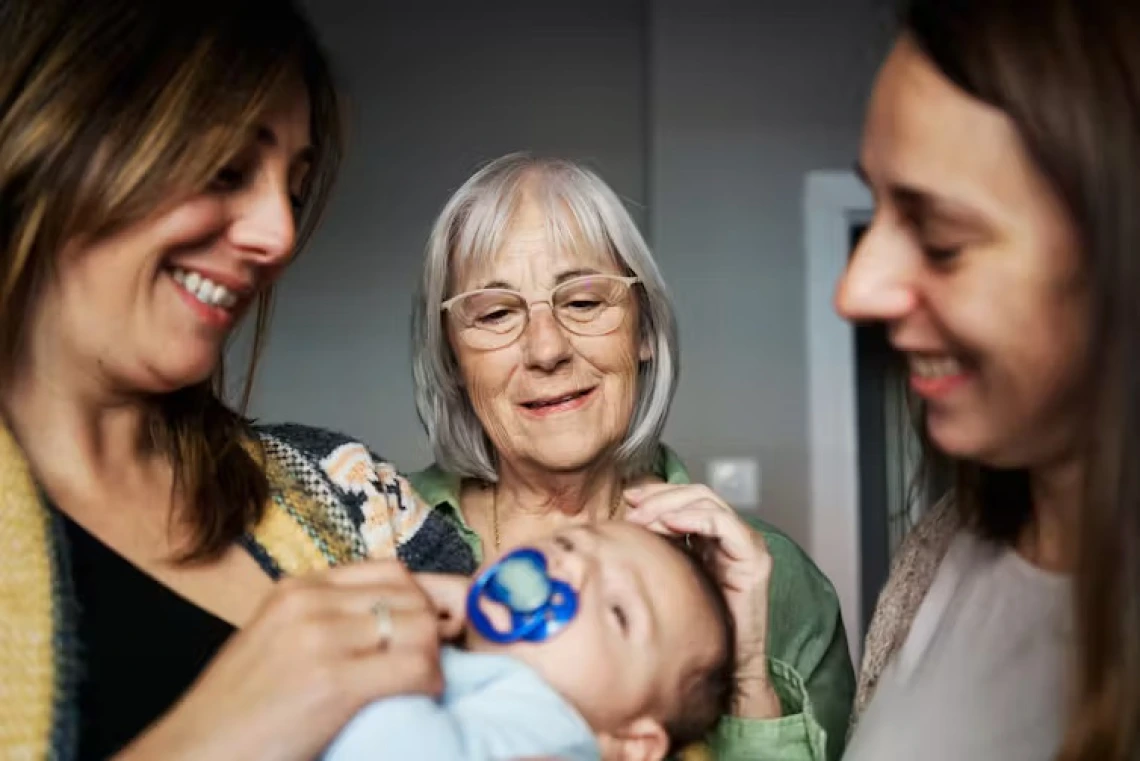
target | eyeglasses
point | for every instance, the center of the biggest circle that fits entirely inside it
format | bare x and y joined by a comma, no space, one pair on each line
491,318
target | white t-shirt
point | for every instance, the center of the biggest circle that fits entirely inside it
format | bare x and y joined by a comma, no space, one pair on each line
982,675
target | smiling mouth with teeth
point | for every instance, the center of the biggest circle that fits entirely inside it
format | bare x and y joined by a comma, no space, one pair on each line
555,402
205,290
935,367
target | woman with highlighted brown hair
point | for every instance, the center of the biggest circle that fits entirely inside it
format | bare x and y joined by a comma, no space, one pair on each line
160,165
1002,146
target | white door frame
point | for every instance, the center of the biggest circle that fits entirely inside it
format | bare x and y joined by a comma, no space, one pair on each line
833,200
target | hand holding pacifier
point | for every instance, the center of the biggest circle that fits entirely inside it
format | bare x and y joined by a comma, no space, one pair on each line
539,606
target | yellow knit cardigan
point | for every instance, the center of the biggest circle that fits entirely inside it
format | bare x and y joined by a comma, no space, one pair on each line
331,501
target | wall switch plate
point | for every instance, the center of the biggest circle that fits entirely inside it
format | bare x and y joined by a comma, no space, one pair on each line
736,480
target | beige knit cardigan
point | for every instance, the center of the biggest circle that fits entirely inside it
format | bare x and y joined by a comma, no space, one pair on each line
912,572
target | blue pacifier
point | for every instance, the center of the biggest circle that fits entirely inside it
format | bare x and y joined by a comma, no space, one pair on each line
539,606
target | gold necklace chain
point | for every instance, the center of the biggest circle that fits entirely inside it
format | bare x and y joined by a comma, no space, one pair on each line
495,514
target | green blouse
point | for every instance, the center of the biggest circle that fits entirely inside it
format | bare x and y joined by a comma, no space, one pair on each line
808,659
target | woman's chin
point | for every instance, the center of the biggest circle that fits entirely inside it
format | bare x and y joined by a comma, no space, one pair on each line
567,460
976,443
168,376
953,439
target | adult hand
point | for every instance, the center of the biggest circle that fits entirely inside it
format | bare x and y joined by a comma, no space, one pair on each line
745,572
317,652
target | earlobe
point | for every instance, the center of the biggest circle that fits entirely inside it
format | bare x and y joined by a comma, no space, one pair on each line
643,739
645,351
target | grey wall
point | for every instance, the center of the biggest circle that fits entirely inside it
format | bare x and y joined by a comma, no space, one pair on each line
436,88
708,111
747,97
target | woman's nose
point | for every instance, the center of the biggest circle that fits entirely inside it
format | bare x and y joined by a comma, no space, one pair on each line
878,283
545,341
263,226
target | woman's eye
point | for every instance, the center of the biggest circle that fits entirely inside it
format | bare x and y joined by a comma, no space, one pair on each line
941,254
228,178
584,304
494,317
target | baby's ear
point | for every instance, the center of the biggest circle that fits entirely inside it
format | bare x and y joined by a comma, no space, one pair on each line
642,739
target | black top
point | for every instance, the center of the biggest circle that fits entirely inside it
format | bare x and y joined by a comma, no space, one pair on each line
141,645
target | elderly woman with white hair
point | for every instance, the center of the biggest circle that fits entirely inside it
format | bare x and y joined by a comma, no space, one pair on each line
545,362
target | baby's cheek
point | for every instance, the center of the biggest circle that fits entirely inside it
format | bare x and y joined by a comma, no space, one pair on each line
579,670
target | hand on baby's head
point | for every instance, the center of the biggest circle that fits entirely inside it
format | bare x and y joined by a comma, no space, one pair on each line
648,657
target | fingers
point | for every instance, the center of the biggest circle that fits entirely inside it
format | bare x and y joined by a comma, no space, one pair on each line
313,598
410,631
448,595
399,656
649,502
363,609
408,664
337,611
745,564
653,487
330,621
694,509
313,655
736,539
360,634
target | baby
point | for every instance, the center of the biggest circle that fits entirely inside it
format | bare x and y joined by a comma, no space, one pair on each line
644,666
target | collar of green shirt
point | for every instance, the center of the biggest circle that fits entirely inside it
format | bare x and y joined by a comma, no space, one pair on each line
441,490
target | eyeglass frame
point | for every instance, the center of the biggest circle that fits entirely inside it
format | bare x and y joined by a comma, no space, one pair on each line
628,280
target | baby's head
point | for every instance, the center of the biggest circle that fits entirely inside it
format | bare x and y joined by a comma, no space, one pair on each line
649,659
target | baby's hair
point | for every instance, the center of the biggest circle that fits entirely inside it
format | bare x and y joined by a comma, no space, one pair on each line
709,690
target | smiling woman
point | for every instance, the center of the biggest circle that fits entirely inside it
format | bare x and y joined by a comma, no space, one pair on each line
169,317
160,165
1002,145
545,361
552,235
